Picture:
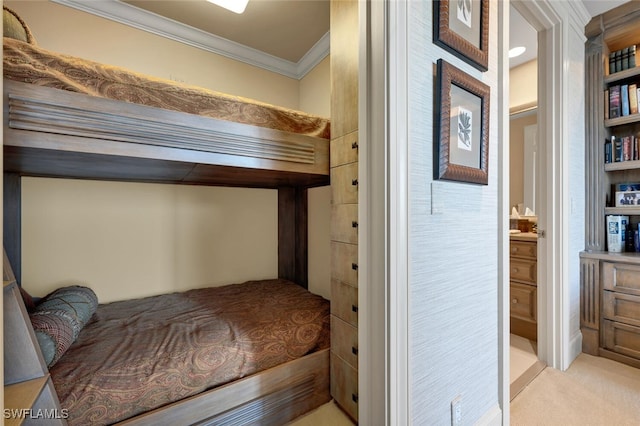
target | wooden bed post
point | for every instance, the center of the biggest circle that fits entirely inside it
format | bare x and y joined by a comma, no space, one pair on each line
12,222
293,235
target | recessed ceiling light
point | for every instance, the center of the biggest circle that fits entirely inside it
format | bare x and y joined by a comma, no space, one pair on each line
236,6
516,51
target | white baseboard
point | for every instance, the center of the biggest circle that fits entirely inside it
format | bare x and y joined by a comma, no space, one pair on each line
575,349
493,417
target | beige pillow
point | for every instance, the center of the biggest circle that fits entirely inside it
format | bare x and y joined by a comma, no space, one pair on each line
14,26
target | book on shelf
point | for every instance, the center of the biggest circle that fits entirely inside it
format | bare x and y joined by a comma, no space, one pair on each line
624,99
617,149
615,108
627,155
621,148
625,186
633,99
606,104
619,61
622,59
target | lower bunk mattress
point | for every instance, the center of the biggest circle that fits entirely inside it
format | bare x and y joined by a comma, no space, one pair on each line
137,355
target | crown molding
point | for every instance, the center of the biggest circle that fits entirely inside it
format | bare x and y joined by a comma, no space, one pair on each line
132,16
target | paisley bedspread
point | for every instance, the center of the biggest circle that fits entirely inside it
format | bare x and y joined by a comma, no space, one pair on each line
136,355
31,64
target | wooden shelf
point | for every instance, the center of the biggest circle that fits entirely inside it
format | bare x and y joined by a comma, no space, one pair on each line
622,75
622,165
619,121
626,211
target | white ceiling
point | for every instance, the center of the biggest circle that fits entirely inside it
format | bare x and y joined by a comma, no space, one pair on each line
285,36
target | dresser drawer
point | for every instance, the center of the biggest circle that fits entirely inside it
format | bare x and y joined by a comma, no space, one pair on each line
344,263
344,184
527,249
344,385
523,270
344,302
344,223
344,341
344,150
523,301
622,338
621,277
621,307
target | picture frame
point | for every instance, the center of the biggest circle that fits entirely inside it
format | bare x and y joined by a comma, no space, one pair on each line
462,28
461,123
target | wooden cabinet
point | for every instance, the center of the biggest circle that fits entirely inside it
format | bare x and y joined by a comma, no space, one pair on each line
621,308
523,294
610,306
609,282
344,204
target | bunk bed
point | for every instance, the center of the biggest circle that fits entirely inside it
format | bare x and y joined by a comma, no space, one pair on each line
70,118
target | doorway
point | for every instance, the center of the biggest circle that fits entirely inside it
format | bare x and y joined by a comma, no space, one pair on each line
523,193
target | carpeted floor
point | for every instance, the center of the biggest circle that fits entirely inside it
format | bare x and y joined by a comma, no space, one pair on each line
593,391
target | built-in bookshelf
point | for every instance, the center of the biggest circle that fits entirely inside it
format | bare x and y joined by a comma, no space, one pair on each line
610,276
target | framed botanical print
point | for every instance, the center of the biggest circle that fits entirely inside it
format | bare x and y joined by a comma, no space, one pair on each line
462,27
461,147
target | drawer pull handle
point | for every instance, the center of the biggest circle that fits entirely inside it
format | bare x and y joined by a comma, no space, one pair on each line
354,397
354,182
515,270
354,350
514,301
354,145
354,224
354,308
354,266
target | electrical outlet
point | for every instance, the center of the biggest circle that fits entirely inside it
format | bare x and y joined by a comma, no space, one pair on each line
456,411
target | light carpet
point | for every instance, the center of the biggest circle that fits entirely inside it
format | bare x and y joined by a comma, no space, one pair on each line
593,391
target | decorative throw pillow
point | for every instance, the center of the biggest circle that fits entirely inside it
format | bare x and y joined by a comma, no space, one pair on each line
15,27
58,319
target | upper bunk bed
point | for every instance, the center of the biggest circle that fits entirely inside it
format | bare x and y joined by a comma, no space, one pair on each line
70,117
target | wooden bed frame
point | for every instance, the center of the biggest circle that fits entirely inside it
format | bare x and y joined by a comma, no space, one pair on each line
54,133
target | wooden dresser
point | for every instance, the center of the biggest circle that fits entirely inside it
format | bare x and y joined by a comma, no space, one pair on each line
523,285
344,205
610,306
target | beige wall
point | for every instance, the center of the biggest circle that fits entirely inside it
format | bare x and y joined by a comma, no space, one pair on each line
516,156
315,96
130,240
523,86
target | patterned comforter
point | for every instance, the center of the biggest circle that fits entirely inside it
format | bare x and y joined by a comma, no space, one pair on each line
31,64
140,354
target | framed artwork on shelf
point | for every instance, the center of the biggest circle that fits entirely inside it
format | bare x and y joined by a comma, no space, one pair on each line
462,28
461,140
